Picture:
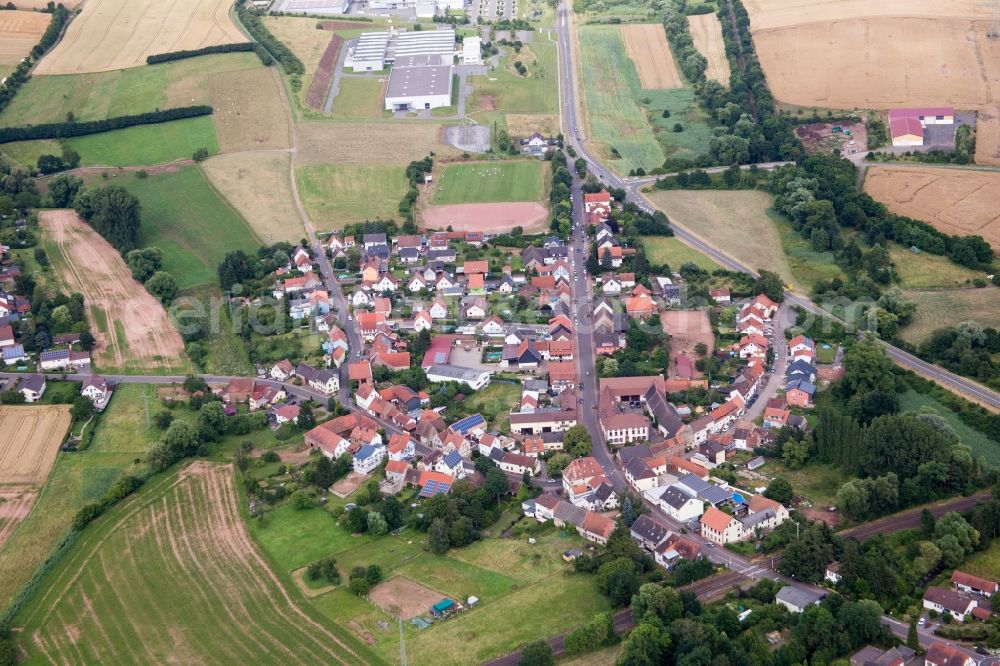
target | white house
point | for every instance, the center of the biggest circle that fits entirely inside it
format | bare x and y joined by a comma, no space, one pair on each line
95,388
678,504
438,309
368,458
32,387
325,381
360,299
950,601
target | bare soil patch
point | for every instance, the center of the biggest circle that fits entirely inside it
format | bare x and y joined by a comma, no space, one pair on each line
403,598
19,31
248,111
29,440
706,31
324,74
956,201
531,216
115,34
348,485
646,45
687,328
140,333
370,143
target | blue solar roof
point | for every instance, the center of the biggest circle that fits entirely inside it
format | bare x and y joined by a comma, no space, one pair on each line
468,423
432,488
453,459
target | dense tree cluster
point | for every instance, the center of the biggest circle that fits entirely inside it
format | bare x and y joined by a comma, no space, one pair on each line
183,439
253,272
967,348
560,199
113,212
52,313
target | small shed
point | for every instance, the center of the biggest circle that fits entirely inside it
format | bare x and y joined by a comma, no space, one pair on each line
442,607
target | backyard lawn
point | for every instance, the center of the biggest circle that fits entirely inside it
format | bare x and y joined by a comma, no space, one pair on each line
494,402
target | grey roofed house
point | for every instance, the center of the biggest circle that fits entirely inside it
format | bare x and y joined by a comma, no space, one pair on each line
409,253
797,422
798,598
378,251
604,337
693,484
649,531
665,413
874,656
675,497
33,383
756,462
558,251
534,253
628,453
714,494
752,520
604,492
570,513
801,367
375,239
638,469
497,454
445,254
540,385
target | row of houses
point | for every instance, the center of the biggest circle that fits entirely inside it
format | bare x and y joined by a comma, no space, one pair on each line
591,525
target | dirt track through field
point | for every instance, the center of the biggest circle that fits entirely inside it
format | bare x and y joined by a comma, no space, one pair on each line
492,217
955,201
138,330
646,45
115,34
185,537
706,31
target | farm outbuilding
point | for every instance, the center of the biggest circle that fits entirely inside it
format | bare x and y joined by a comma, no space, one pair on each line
907,125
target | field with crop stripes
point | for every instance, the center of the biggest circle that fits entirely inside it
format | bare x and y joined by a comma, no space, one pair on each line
172,575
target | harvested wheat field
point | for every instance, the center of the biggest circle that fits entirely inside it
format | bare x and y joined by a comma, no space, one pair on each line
172,575
706,31
258,185
492,217
130,326
646,45
115,34
29,440
403,598
364,144
248,112
19,31
767,14
956,201
15,505
524,125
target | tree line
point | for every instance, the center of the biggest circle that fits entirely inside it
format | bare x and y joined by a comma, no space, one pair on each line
191,53
72,128
251,20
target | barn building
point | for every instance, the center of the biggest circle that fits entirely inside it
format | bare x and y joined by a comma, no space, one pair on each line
907,125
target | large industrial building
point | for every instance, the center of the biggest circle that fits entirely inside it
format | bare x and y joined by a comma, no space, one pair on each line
418,82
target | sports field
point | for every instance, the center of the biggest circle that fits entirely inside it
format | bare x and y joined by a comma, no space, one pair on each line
115,34
132,329
956,201
258,185
939,308
29,440
186,218
335,195
172,574
48,99
364,144
19,31
488,182
646,45
706,31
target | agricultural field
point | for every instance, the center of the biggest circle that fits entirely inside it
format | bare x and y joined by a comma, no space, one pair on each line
738,223
940,308
502,91
29,442
19,31
981,445
364,144
145,145
646,45
625,121
854,54
187,219
116,34
122,436
258,185
706,31
334,195
674,253
956,201
520,125
180,539
48,99
248,111
130,326
487,182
